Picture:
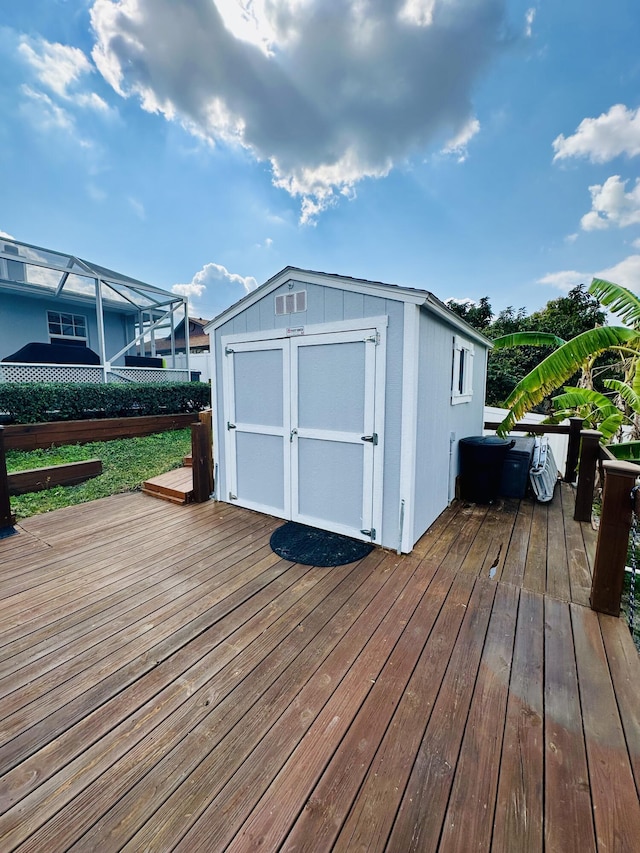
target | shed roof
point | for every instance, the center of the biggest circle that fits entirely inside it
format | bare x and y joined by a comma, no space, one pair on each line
423,298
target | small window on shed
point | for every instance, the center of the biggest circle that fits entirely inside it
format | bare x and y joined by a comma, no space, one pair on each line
462,373
291,303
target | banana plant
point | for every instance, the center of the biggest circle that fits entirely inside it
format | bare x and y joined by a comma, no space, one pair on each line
596,410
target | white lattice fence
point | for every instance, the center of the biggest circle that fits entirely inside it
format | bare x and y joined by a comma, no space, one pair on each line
147,374
13,372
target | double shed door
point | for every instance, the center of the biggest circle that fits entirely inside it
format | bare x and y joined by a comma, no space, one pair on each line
303,417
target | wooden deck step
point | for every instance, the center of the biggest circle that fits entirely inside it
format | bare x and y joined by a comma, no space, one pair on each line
175,486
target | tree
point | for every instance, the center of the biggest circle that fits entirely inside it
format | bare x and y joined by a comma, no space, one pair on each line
580,354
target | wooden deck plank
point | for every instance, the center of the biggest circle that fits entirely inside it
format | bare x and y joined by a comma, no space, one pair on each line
274,815
212,679
535,570
185,687
568,813
519,815
180,678
473,795
423,806
374,738
48,630
579,567
624,666
616,808
558,582
516,557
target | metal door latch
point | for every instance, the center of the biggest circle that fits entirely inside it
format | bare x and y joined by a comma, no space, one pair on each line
294,431
372,438
371,533
230,425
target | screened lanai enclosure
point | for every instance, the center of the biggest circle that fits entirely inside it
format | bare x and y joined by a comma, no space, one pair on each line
66,319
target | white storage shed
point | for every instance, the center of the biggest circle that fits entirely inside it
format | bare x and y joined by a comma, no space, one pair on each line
339,403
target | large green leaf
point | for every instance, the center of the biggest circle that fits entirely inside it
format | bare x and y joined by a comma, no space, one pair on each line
628,450
529,339
627,393
618,299
609,426
574,398
556,368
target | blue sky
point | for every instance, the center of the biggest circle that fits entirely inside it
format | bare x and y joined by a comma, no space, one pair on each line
470,147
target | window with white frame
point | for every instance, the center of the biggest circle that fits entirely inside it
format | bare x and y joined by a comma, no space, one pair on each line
67,328
462,380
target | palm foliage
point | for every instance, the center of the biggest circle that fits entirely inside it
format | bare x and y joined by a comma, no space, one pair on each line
531,339
558,367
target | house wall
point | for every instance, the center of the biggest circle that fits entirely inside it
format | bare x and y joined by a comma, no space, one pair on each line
327,304
439,421
23,319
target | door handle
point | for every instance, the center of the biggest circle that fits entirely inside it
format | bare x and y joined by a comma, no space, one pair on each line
372,438
294,431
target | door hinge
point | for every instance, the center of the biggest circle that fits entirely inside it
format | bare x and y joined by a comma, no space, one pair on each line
372,438
228,351
230,425
373,339
232,497
371,533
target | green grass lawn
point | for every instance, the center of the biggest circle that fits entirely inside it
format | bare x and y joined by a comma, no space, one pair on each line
126,463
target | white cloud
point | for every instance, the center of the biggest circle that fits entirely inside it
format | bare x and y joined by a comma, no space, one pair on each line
60,68
458,145
611,205
626,273
603,138
43,112
636,243
6,236
327,94
189,290
571,238
216,288
528,22
565,280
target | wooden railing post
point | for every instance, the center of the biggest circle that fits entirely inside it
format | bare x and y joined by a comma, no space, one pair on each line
200,454
573,449
7,520
589,455
206,418
613,536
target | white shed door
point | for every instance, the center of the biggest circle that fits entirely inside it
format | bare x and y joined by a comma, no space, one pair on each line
332,418
301,439
257,411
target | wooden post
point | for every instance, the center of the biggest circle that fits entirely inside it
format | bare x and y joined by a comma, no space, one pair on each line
207,419
613,536
200,462
573,450
589,455
7,520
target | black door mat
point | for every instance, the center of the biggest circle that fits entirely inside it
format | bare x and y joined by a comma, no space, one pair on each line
298,543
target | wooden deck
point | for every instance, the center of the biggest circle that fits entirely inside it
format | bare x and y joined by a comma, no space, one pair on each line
167,682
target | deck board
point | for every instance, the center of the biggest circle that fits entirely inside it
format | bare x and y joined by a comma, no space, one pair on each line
167,682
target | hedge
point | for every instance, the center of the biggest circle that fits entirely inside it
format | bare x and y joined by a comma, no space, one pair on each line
38,402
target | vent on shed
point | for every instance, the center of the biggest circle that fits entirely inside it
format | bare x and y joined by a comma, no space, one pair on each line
291,303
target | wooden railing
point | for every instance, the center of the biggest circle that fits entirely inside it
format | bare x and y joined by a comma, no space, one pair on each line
572,430
618,480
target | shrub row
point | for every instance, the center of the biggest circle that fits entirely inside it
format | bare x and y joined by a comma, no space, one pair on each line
37,402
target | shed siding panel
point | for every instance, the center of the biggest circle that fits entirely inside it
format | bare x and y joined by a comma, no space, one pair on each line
326,305
436,469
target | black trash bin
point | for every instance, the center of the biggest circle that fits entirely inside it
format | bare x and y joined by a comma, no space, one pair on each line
481,461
